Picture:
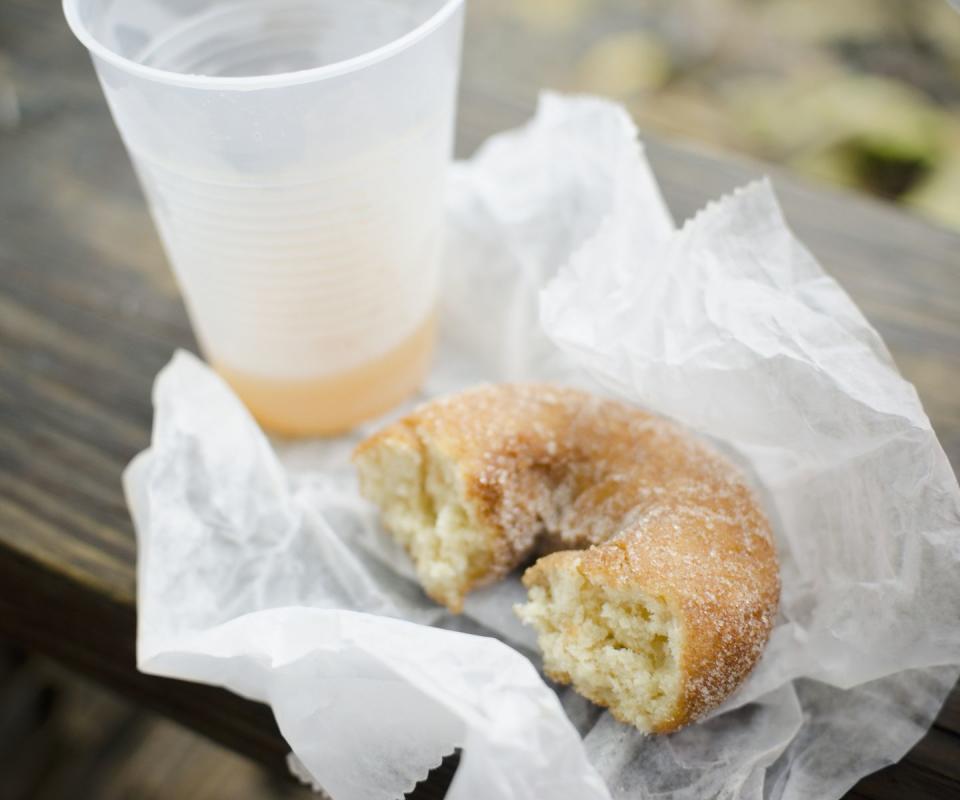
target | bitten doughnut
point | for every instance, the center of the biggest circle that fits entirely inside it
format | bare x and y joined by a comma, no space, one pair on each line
656,580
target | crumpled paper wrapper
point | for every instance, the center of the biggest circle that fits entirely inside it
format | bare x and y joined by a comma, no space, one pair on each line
261,569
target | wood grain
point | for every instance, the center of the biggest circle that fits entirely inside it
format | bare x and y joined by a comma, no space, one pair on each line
63,736
89,313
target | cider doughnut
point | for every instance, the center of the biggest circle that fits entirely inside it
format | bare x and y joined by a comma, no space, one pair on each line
656,581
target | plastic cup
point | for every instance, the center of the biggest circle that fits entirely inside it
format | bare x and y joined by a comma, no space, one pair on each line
293,155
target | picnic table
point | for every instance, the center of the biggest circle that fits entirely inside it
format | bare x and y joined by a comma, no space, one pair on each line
89,313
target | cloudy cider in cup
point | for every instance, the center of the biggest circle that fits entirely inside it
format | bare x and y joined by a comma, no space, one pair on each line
334,403
293,153
315,300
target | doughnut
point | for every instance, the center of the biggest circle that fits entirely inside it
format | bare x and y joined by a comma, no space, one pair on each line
654,581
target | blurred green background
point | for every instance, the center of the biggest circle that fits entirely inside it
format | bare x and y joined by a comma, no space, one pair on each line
862,93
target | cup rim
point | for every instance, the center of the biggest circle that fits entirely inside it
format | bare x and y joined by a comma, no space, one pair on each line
253,82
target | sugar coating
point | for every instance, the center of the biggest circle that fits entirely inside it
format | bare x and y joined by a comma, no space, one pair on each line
656,580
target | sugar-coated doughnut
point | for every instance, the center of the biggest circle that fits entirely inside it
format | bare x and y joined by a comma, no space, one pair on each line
656,581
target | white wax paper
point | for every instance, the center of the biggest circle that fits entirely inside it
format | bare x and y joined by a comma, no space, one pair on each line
263,571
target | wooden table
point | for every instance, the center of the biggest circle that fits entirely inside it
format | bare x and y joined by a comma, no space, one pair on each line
89,313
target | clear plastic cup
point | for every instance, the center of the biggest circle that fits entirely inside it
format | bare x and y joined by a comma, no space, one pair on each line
293,154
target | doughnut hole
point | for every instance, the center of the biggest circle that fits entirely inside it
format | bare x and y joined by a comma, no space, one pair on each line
618,647
420,496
